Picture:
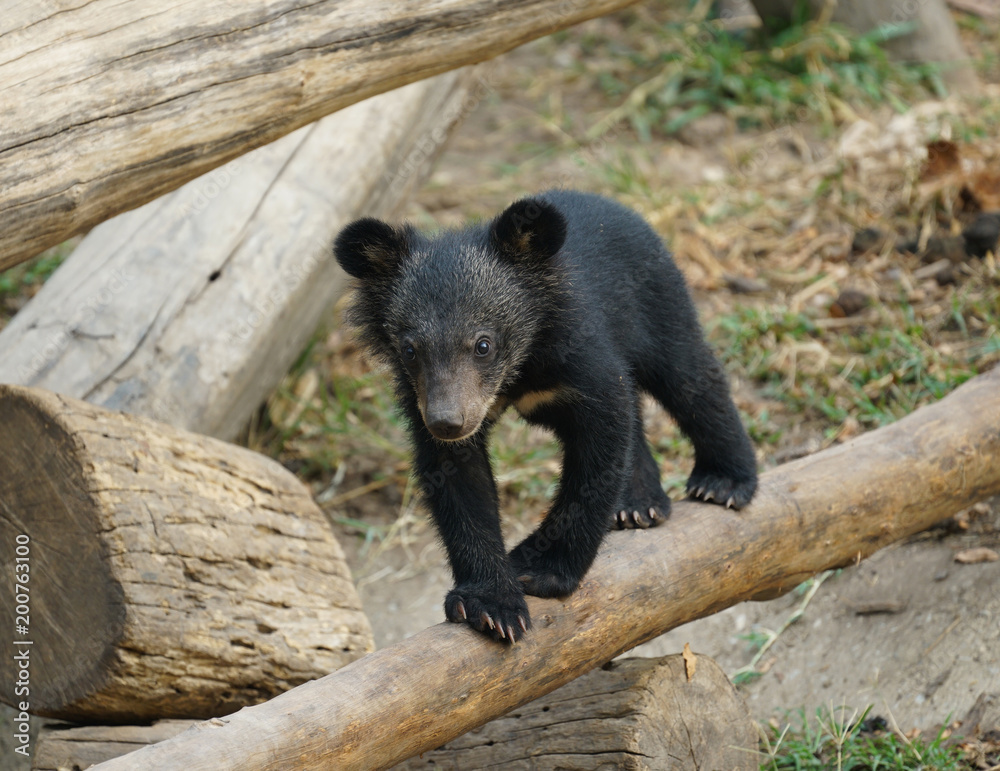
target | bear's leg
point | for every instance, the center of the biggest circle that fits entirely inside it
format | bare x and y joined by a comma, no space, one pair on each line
644,504
695,390
458,485
597,436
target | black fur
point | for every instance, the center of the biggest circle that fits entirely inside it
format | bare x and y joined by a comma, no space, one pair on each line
565,307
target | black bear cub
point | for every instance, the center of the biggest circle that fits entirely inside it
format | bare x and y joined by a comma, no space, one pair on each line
565,307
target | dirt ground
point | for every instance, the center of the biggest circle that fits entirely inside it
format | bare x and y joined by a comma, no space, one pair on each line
910,630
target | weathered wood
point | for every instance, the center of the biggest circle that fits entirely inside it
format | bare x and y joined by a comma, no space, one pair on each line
630,714
191,309
62,746
170,575
639,714
112,103
826,510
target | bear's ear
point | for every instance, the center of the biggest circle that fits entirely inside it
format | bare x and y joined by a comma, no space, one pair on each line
369,248
530,228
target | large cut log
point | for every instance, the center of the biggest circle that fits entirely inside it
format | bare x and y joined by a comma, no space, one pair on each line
169,574
826,510
630,714
637,714
191,309
112,103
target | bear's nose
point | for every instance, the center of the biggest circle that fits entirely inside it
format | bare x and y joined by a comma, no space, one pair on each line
446,424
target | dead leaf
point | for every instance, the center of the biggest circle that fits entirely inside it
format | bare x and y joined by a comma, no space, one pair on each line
690,661
980,554
942,158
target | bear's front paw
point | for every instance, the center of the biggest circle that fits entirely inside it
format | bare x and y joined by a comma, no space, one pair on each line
642,509
540,574
733,492
501,615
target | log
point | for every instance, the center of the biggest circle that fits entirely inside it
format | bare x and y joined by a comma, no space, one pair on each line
629,714
61,745
192,308
169,574
826,510
638,714
112,103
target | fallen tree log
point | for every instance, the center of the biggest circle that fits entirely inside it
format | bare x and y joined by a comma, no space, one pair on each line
634,713
168,574
830,509
192,308
112,103
639,714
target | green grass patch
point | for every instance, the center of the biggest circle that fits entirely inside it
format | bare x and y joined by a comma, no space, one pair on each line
33,273
839,740
808,70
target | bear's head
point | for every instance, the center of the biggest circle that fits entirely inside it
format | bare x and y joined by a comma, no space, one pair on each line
456,315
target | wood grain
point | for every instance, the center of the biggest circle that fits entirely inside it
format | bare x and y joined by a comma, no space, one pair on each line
830,509
171,575
192,308
111,103
633,714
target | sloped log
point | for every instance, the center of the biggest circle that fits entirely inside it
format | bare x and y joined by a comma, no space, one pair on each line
192,308
112,103
168,574
830,509
636,714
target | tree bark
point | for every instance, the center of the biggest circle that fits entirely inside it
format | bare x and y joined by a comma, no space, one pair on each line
934,39
112,103
827,510
636,714
169,574
191,309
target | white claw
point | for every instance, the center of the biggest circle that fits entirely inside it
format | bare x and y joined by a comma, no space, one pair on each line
731,501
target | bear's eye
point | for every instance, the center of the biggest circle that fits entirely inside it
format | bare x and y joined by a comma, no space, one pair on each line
408,352
483,346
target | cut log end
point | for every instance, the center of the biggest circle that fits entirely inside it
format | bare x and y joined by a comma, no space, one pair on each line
75,602
170,575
